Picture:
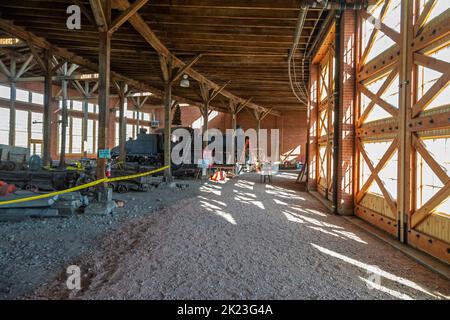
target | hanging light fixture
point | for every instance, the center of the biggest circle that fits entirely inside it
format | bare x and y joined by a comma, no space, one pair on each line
184,83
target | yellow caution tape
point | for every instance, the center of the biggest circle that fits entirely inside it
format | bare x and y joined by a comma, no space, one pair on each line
83,186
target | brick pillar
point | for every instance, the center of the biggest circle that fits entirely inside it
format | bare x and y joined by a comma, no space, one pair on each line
312,127
347,93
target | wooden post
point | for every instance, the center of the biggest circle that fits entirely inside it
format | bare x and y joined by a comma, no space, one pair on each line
62,156
166,64
103,98
258,133
404,154
12,105
47,116
205,114
84,125
138,114
259,116
233,110
167,129
122,122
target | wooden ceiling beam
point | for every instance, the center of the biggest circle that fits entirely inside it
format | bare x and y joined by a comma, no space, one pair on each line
125,15
21,33
141,26
99,14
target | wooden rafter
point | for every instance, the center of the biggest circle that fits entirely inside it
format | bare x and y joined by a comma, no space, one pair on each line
85,11
37,57
240,106
4,69
99,14
152,39
125,15
186,67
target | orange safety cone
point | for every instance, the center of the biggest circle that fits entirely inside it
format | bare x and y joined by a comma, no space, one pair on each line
218,176
215,176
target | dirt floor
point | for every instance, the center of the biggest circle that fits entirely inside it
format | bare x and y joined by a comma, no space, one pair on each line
238,240
32,252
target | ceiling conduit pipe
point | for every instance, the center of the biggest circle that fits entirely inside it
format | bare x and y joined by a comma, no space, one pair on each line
298,31
319,4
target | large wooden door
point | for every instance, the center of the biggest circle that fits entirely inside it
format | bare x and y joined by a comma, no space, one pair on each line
403,127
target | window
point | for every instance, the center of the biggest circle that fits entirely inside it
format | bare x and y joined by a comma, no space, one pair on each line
37,98
77,105
91,108
76,135
5,92
21,129
90,144
36,126
428,183
22,95
4,125
117,134
130,131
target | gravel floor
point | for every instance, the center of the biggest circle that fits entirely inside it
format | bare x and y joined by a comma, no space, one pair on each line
32,252
246,240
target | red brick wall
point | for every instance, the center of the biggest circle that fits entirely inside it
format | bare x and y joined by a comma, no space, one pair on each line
191,114
346,114
292,126
346,134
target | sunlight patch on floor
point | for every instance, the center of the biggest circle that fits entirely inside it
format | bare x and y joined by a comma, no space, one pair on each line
374,270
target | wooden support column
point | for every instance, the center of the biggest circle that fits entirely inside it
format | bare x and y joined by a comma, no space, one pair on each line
170,75
207,96
84,125
86,94
204,109
259,115
138,104
233,112
404,153
64,115
258,133
103,98
167,129
47,116
235,108
122,121
167,68
12,103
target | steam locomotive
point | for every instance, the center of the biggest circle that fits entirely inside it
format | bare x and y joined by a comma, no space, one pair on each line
148,149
